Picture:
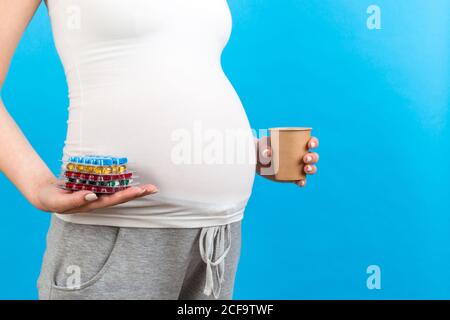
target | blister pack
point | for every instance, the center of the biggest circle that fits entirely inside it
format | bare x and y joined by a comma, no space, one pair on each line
99,174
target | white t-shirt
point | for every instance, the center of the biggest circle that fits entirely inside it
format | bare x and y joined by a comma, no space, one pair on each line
145,82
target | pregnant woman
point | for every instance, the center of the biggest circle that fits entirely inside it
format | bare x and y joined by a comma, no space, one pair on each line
149,69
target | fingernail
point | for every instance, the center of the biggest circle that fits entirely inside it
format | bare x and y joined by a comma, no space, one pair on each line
308,168
90,197
312,144
266,153
308,158
302,183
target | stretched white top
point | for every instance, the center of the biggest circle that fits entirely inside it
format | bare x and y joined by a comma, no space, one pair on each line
145,82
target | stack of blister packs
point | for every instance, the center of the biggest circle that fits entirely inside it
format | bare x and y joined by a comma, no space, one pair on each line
99,174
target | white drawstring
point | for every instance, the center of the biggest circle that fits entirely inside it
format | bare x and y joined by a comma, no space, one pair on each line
212,244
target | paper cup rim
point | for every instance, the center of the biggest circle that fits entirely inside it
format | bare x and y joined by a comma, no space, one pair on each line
291,129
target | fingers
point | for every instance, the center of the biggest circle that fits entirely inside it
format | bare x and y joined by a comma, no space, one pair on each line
311,157
104,201
75,200
310,169
121,197
117,198
301,183
313,143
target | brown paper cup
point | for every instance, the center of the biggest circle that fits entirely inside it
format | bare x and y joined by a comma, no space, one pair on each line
289,145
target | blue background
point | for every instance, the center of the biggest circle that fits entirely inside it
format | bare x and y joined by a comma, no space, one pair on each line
377,99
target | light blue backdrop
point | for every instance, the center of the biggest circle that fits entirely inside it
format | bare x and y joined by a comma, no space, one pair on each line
378,100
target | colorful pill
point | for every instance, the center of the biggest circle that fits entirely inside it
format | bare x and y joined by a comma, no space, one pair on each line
98,170
99,174
69,185
106,170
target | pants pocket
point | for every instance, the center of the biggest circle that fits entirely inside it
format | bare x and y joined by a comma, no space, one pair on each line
77,257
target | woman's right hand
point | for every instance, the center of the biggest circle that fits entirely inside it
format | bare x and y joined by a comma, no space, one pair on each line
52,198
18,160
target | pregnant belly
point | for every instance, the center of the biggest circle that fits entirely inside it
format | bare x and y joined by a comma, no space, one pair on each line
181,124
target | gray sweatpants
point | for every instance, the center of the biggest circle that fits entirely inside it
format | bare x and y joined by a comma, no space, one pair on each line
103,262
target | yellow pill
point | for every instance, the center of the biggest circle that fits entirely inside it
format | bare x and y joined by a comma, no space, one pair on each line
114,169
122,169
98,170
89,169
70,166
107,170
80,167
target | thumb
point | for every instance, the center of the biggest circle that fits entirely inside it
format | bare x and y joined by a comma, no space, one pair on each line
264,151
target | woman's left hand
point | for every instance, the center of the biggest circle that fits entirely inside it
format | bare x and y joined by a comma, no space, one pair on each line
265,153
